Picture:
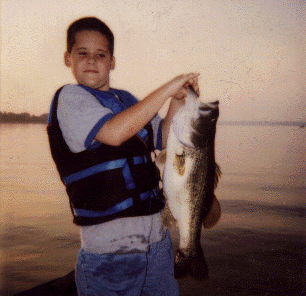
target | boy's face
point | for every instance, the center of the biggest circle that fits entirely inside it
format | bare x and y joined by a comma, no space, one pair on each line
90,60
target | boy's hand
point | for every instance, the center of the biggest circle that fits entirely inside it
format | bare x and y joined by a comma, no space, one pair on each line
186,80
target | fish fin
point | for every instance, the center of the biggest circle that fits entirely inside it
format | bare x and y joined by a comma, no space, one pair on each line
160,161
167,218
213,215
161,157
195,265
218,174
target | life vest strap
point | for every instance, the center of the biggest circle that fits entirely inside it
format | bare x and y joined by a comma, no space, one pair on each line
105,166
109,165
116,208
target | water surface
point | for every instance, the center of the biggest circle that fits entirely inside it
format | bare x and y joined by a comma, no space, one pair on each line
256,249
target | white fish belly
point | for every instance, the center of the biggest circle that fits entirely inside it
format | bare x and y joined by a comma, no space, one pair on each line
176,189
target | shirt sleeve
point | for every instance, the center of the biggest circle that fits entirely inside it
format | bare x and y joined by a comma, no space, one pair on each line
80,117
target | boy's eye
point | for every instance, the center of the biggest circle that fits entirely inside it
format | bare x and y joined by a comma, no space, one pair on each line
82,53
101,55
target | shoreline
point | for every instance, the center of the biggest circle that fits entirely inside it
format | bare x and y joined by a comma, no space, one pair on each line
42,119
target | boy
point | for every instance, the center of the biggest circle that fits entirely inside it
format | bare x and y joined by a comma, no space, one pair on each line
101,140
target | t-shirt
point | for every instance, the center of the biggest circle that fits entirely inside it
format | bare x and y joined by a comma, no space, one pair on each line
78,114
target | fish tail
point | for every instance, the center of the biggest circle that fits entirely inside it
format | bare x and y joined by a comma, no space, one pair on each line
194,265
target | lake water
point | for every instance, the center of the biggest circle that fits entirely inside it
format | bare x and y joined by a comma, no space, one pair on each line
262,193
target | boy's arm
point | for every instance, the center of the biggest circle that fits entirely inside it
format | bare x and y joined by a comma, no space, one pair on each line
128,123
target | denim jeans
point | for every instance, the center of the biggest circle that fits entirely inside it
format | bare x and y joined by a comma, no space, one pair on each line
148,273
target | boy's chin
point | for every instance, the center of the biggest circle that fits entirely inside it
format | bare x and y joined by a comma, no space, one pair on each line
98,86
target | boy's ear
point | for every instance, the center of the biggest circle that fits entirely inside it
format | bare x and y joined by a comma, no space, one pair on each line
67,59
113,63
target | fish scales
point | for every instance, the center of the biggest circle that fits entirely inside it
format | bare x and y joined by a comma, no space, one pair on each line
189,178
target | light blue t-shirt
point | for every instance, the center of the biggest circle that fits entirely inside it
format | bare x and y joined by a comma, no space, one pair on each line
78,113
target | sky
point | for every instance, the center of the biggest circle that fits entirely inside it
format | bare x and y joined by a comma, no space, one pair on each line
250,53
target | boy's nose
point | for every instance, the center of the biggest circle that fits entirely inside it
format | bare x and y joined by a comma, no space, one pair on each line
91,59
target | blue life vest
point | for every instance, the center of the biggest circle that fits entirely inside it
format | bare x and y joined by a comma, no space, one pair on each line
108,182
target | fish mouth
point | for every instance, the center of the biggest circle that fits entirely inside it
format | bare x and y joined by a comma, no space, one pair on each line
209,110
209,106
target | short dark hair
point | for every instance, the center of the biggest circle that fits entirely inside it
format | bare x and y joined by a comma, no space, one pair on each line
89,24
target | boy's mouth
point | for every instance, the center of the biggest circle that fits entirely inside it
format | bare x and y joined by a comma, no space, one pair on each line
91,71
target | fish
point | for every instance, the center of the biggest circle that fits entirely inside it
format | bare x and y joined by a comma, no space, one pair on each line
189,177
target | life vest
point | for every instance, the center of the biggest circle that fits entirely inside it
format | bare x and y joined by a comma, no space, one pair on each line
107,182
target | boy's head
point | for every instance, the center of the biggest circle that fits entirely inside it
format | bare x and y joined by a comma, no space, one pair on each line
89,24
90,48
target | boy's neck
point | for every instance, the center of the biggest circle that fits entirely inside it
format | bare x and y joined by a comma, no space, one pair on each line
105,90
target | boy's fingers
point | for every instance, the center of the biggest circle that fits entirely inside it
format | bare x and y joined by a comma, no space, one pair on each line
186,85
192,76
188,79
189,76
196,87
193,81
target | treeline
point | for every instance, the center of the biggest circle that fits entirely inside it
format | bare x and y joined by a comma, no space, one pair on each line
9,117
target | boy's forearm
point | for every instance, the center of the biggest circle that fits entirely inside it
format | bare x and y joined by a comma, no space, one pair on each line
129,122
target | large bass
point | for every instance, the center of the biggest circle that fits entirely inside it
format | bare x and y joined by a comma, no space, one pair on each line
189,178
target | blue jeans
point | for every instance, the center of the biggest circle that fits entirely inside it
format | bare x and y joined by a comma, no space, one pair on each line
149,273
